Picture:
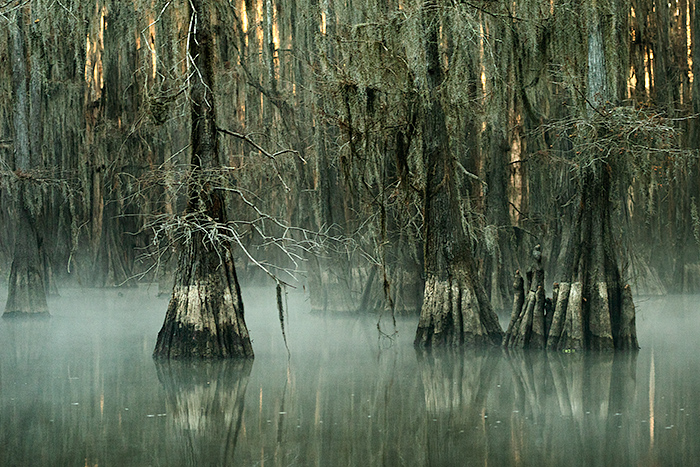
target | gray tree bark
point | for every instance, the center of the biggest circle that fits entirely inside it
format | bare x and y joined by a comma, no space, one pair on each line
593,310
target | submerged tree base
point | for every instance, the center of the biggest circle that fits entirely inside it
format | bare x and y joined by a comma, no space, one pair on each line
600,317
531,314
453,314
205,315
26,293
592,309
26,315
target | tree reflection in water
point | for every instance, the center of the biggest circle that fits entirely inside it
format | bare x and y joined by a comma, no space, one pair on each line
456,385
204,406
26,405
81,389
557,409
576,408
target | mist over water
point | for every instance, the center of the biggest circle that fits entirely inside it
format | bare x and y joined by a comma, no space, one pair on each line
82,389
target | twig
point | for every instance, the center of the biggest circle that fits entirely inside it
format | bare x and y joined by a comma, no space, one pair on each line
272,157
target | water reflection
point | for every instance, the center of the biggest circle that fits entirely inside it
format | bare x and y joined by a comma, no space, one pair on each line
525,408
204,408
82,389
25,408
457,385
574,409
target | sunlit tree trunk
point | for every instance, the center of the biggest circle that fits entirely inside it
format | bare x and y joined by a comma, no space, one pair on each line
640,46
117,111
687,195
205,314
26,291
695,128
455,309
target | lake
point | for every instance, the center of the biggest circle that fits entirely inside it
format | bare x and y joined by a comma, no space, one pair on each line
81,389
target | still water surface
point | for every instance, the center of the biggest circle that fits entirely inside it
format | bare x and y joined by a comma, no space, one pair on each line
81,389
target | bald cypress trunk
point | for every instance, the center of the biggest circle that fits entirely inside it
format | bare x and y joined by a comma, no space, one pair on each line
499,260
455,309
205,315
26,294
593,309
695,126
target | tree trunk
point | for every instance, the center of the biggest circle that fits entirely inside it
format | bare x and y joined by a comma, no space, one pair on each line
499,259
593,310
695,125
205,314
111,267
26,294
499,263
455,310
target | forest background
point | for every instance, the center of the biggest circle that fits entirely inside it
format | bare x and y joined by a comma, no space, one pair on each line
320,107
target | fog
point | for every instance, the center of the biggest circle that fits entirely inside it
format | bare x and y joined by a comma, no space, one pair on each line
81,388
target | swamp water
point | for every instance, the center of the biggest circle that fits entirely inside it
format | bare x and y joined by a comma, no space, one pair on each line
81,389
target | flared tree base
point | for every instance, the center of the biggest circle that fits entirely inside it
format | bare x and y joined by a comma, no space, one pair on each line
453,314
26,296
602,319
592,308
205,314
26,291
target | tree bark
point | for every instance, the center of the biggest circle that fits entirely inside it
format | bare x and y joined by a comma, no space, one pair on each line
205,315
695,126
455,309
499,262
26,294
531,314
593,310
590,312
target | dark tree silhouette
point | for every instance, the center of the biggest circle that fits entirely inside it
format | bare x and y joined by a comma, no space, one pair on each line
26,292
